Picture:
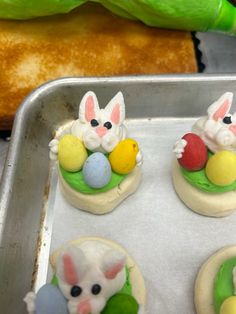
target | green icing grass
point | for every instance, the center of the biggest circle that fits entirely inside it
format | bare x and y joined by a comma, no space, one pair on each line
54,281
127,288
223,285
76,181
200,181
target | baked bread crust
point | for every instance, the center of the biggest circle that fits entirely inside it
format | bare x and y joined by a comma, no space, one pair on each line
89,41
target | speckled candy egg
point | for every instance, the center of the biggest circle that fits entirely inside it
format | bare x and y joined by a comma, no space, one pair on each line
123,157
97,171
71,153
194,156
50,300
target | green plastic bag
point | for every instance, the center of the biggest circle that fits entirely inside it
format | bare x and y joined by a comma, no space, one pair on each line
26,9
193,15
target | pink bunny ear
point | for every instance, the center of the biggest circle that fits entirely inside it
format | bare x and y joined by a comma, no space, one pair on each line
221,107
116,109
113,262
71,266
89,108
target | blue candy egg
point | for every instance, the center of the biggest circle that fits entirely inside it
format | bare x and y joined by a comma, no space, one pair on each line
50,300
97,171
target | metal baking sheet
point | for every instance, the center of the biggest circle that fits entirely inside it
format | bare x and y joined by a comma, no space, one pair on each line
168,241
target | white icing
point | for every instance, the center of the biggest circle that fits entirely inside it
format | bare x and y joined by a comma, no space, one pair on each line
92,259
53,143
214,132
225,138
53,156
54,149
139,158
29,299
179,148
83,129
53,146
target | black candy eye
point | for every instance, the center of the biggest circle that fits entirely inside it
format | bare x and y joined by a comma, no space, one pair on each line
227,120
96,289
94,122
75,291
107,125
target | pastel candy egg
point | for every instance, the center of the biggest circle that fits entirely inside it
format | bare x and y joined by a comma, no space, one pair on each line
123,157
221,168
228,306
97,171
50,300
71,153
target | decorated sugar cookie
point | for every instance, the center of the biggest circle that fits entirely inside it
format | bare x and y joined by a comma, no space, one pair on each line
204,170
215,287
91,276
98,165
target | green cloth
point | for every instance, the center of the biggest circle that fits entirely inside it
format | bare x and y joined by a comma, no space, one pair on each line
194,15
223,284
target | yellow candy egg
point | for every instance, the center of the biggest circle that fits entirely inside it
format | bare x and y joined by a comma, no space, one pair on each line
228,306
221,168
123,157
71,153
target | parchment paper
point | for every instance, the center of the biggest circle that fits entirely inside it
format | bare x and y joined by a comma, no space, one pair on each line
168,241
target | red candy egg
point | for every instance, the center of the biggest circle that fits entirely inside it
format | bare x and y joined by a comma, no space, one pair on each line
194,156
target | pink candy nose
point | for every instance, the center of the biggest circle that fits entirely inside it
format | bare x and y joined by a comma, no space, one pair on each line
101,131
84,307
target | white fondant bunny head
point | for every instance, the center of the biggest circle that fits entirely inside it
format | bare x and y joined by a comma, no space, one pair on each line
89,275
218,130
100,129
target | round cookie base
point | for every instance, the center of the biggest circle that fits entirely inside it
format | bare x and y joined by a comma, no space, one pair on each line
207,204
204,284
101,203
136,278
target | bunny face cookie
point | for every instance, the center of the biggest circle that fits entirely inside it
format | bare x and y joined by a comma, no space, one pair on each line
98,165
100,129
92,276
204,170
218,129
89,275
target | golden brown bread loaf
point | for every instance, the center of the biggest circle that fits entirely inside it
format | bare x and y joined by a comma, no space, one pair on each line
89,41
